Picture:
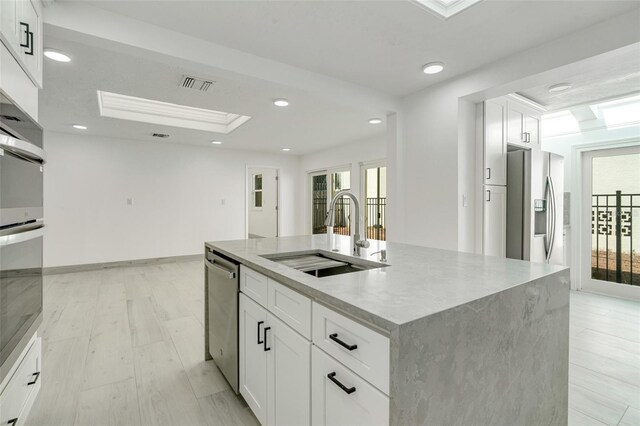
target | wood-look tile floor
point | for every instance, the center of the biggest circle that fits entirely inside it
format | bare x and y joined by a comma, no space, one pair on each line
124,346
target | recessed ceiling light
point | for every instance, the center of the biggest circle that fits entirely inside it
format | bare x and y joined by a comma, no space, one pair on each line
56,55
79,127
281,102
216,142
560,87
433,68
375,121
286,149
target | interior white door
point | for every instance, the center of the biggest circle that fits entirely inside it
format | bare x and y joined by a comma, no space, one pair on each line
253,357
289,375
495,221
262,202
495,145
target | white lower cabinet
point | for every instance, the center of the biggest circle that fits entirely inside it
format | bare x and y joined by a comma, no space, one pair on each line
288,376
253,357
275,364
340,397
18,395
495,221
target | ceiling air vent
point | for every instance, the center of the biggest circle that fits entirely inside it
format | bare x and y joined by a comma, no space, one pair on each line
10,118
195,83
160,135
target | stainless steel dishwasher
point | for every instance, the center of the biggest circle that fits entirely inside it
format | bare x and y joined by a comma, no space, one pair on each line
221,337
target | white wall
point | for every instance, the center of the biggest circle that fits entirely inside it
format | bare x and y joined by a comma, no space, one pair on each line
177,190
350,155
434,160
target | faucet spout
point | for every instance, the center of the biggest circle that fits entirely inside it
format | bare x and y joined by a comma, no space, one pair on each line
330,220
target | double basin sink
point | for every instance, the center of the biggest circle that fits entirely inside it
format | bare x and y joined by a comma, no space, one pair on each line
320,263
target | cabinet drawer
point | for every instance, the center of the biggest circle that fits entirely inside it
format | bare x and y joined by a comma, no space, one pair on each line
363,350
22,388
291,307
254,285
333,405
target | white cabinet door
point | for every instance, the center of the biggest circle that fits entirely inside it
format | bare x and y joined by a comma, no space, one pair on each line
495,221
515,124
289,375
9,23
532,128
340,397
495,145
31,40
253,357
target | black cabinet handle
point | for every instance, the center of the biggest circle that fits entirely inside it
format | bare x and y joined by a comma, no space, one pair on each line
259,324
12,421
29,43
334,337
35,379
332,377
265,339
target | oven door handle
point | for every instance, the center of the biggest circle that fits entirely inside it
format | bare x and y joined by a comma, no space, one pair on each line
20,237
22,148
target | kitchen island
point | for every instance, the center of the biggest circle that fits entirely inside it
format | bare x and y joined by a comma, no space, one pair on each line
469,339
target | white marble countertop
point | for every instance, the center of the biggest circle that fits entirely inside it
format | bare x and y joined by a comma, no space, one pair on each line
418,282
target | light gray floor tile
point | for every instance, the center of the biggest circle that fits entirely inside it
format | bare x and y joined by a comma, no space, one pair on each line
109,405
631,417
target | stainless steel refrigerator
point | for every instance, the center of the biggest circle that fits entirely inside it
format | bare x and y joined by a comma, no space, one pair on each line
535,194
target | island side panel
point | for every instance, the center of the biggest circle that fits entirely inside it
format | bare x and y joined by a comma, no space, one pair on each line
503,359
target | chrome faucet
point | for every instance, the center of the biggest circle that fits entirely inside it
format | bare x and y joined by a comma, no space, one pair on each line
331,218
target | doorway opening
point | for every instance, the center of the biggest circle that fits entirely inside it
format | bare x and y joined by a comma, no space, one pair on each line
375,198
325,185
262,202
611,205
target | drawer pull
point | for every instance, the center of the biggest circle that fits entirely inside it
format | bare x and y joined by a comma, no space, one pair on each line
12,421
260,323
265,339
332,377
35,379
334,337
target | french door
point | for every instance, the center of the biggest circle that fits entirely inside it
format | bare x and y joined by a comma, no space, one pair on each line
374,198
611,222
325,185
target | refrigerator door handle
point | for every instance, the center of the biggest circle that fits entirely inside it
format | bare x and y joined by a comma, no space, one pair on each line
547,201
552,200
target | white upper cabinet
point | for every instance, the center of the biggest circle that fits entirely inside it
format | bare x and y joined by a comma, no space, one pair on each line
495,144
21,33
532,128
523,125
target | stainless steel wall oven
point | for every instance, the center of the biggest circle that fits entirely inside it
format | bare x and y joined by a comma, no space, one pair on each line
21,230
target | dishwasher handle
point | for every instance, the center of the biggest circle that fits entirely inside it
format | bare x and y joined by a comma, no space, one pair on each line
215,267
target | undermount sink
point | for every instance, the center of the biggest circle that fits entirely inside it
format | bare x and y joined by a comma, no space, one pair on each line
323,264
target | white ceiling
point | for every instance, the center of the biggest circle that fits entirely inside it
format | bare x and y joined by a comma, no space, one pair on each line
308,124
616,75
378,44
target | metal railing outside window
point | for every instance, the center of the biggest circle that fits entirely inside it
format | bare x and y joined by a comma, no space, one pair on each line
615,238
